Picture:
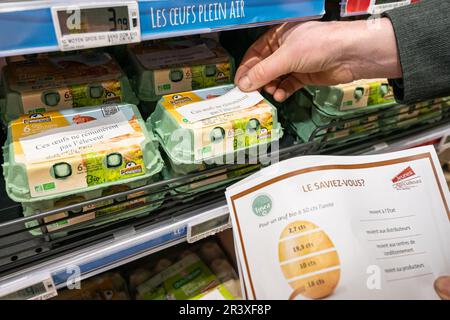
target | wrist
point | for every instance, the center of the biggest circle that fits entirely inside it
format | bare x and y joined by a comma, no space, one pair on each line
369,49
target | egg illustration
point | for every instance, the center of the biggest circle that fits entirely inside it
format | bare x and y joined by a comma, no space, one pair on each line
309,260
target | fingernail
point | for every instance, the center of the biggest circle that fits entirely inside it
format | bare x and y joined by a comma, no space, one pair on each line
244,83
443,287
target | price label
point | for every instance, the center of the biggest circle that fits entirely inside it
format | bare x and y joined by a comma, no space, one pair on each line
89,26
208,227
381,6
353,7
41,290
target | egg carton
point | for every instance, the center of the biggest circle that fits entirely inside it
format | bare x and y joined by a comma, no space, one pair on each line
78,152
208,134
175,65
354,96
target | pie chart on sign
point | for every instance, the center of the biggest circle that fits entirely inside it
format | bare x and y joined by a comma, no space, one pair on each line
309,260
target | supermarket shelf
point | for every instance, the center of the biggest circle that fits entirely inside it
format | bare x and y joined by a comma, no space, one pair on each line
32,25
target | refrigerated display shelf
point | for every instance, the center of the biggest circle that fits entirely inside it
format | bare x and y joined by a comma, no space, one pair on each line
32,25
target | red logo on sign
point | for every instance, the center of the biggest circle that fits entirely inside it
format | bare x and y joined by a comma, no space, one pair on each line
405,174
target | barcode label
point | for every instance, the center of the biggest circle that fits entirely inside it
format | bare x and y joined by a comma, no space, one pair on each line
208,228
109,110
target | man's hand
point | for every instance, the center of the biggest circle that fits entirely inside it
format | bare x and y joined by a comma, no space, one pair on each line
442,286
293,55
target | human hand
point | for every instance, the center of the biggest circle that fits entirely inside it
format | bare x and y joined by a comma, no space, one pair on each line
442,287
293,55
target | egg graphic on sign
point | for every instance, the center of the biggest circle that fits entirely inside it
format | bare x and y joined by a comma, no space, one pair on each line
308,260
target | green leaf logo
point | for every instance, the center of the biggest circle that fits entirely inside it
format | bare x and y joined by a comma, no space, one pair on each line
262,205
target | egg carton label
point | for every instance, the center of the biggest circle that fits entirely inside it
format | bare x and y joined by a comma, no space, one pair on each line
77,150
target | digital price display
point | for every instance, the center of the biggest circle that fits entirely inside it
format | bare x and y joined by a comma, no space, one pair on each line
94,20
38,291
90,26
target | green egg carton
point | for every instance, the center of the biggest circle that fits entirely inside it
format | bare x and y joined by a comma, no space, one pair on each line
78,152
175,65
408,115
300,120
218,125
63,81
356,96
323,115
117,208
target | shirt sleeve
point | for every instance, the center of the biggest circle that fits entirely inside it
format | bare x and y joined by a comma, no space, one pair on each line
422,31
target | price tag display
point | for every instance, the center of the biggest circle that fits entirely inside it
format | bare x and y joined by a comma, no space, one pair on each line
208,227
90,26
355,7
41,290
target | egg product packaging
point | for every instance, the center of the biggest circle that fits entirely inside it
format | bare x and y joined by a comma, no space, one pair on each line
213,126
54,82
330,227
351,96
60,158
169,66
189,278
53,154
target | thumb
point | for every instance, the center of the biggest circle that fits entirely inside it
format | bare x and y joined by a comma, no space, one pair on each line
442,286
267,70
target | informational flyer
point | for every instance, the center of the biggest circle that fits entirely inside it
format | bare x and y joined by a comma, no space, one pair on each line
327,227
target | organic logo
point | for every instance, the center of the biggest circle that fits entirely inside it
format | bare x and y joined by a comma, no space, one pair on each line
262,205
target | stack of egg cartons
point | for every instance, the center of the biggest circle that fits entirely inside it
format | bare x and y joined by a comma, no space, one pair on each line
345,112
197,130
60,153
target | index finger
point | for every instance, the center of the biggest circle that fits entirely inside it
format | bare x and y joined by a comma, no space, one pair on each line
258,51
